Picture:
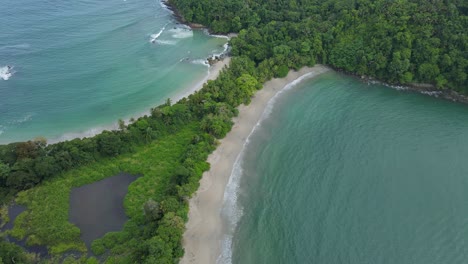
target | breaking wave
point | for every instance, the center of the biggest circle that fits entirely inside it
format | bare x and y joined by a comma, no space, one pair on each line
181,32
201,62
163,4
156,36
6,72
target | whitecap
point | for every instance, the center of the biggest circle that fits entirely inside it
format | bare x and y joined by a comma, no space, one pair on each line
165,42
163,4
201,62
222,53
6,72
181,32
27,117
153,37
232,211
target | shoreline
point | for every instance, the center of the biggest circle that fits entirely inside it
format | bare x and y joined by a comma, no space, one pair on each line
420,88
213,72
205,227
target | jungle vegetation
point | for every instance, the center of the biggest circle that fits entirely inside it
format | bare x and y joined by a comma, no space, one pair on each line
400,41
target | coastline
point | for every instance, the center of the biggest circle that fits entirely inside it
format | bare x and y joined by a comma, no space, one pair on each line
205,227
213,72
421,88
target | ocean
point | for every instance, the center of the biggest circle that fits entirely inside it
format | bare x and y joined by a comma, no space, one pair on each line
345,172
77,67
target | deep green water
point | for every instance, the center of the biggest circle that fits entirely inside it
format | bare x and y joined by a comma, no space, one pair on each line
81,65
343,172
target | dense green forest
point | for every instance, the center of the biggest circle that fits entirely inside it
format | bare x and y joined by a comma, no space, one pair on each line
398,41
395,41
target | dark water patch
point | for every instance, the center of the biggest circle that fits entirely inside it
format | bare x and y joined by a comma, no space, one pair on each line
13,212
97,208
36,249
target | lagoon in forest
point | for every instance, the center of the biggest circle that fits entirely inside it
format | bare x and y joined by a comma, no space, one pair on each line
97,208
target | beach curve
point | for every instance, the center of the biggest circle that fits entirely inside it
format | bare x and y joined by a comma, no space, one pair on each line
205,227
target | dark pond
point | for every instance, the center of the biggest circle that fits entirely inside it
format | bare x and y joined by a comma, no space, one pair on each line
97,208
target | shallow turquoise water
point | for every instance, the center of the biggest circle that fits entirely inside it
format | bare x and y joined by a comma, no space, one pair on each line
343,172
81,65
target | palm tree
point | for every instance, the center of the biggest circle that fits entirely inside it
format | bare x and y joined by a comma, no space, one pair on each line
149,134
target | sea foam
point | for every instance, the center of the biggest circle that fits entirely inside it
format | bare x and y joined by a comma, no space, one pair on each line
26,118
163,4
156,36
232,211
222,53
201,62
207,32
165,42
6,73
181,32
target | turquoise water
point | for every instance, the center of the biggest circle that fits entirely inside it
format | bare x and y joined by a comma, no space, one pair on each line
343,172
79,66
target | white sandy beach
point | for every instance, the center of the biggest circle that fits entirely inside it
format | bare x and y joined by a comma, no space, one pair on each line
204,233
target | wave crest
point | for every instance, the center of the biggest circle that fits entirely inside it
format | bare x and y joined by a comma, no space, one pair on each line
156,36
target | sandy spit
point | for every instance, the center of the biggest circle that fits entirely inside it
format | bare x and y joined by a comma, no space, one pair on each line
204,229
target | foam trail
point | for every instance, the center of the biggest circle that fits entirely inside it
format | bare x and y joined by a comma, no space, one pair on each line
27,117
6,72
155,36
181,32
201,62
232,211
207,32
165,42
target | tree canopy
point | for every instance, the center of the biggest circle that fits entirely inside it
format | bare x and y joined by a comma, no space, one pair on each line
401,41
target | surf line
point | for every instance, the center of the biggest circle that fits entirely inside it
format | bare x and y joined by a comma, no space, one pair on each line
156,36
